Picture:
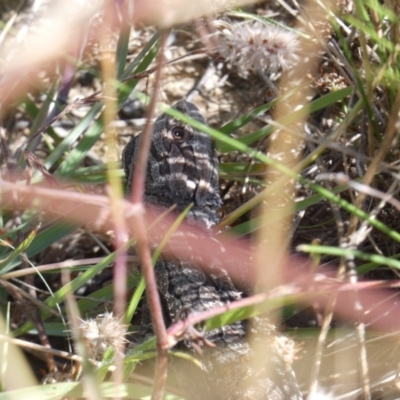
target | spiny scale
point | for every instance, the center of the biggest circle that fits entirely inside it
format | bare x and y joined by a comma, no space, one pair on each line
183,169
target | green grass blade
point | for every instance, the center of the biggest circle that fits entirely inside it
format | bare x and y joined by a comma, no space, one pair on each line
77,155
66,144
322,102
153,42
17,251
43,240
349,253
74,285
122,48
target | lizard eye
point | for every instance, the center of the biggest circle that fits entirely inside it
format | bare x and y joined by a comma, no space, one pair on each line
178,132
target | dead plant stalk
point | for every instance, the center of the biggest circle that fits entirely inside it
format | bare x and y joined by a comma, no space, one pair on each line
143,242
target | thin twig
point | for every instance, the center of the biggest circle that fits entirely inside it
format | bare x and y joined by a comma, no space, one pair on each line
57,266
26,299
143,240
343,179
115,187
43,349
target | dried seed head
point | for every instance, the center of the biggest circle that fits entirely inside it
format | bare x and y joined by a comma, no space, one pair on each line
254,45
103,332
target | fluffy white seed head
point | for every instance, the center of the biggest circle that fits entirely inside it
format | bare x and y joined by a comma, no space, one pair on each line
103,332
253,45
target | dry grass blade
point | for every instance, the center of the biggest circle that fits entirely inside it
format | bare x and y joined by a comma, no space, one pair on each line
144,242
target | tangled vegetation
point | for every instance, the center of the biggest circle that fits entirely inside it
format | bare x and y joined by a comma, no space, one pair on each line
303,104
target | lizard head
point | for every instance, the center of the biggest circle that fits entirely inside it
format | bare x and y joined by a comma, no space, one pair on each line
182,167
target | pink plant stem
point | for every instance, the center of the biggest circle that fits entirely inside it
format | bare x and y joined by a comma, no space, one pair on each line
307,287
194,319
95,210
143,239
